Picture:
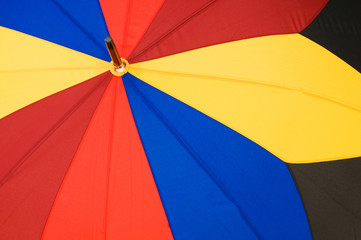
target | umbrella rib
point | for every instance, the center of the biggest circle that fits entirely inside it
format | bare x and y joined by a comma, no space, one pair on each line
332,198
126,27
174,29
26,156
109,157
76,23
252,81
60,189
195,156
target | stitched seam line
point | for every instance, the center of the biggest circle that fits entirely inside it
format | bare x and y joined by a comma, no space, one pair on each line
126,27
110,148
194,155
76,23
66,116
125,78
173,29
72,161
251,81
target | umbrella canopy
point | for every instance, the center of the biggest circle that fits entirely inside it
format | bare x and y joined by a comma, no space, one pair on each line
219,120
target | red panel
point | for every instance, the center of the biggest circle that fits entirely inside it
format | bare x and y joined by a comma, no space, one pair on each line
128,20
109,191
37,145
179,27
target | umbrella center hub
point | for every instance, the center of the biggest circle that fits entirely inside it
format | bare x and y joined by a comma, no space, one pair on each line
121,70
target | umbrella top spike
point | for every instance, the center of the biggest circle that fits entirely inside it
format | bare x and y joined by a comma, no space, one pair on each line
119,64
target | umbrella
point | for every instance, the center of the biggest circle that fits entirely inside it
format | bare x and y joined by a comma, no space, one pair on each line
210,120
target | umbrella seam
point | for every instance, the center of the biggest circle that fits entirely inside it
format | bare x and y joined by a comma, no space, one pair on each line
194,155
104,21
126,26
355,108
145,30
174,28
330,196
150,165
315,16
110,148
156,42
251,81
72,161
301,197
76,23
26,156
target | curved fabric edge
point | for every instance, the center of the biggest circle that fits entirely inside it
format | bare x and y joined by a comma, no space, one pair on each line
283,92
331,195
338,29
180,27
227,187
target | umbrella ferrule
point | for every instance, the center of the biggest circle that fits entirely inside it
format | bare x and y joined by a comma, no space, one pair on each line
120,71
119,64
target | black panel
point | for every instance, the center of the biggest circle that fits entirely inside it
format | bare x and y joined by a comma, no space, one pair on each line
331,194
338,28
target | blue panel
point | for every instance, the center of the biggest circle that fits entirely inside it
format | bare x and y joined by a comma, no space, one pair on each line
258,183
195,206
78,25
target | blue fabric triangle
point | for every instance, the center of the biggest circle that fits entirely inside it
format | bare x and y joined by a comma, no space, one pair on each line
214,183
78,25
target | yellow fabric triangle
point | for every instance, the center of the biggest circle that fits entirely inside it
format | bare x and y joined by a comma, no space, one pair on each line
284,92
32,68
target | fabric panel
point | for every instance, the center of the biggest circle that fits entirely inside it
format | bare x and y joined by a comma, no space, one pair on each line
300,103
208,162
128,20
37,145
338,29
31,69
109,191
331,196
78,25
180,27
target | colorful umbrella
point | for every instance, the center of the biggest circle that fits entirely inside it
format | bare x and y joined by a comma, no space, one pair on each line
213,119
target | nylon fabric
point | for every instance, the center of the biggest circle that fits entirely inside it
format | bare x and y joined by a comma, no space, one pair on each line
255,181
128,20
195,206
37,145
78,25
267,94
180,27
338,29
109,191
331,196
45,69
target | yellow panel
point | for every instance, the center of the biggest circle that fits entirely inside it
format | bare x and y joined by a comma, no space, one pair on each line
284,92
32,68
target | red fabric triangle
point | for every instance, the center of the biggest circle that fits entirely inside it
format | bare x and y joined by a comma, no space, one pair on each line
37,145
109,191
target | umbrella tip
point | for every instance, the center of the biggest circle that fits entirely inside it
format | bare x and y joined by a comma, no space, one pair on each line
119,64
108,39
